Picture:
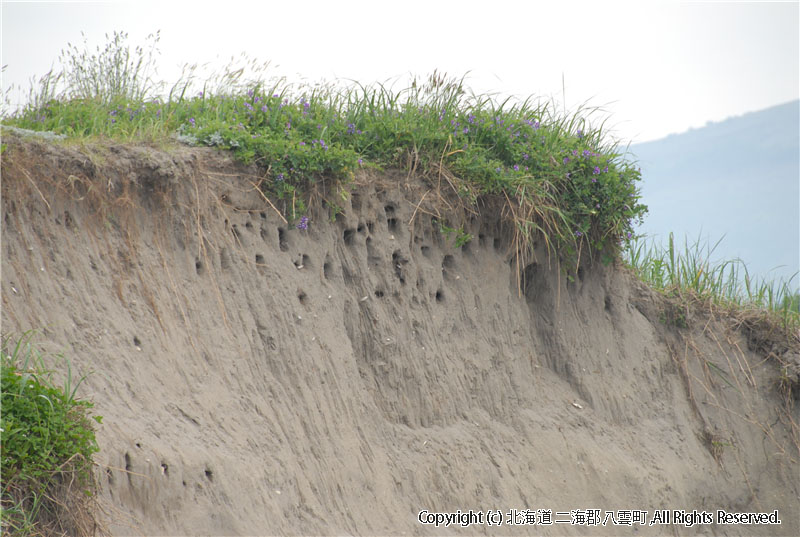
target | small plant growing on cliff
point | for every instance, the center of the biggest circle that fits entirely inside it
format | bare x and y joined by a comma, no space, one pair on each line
47,446
461,236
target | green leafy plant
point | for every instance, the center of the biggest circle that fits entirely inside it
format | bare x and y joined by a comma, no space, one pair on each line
47,445
461,236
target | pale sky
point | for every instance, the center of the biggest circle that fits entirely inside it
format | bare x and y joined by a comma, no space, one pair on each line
657,67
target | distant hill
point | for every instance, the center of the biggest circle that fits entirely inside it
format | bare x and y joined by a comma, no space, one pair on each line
738,178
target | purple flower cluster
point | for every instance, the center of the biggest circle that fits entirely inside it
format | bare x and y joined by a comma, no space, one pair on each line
303,224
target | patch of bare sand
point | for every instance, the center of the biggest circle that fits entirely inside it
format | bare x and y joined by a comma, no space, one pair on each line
257,379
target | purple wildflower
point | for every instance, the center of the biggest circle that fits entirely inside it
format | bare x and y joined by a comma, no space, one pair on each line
594,179
628,235
605,170
566,160
280,177
580,133
191,121
351,129
525,156
264,108
596,170
471,118
574,152
587,153
360,162
249,93
597,206
303,223
578,233
516,168
466,130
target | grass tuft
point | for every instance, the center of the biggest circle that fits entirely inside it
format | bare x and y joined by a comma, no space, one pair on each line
690,273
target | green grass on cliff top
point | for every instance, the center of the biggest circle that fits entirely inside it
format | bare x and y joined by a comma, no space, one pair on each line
559,175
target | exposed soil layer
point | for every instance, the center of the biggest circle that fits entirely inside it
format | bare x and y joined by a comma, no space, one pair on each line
255,378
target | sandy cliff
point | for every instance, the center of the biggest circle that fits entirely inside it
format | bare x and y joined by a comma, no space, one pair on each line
256,378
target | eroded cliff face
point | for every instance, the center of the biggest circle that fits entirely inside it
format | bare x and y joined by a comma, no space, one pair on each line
255,378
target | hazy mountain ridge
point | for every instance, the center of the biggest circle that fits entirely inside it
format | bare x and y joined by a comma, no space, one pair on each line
737,178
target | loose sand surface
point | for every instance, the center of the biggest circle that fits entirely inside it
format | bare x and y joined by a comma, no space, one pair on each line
259,379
